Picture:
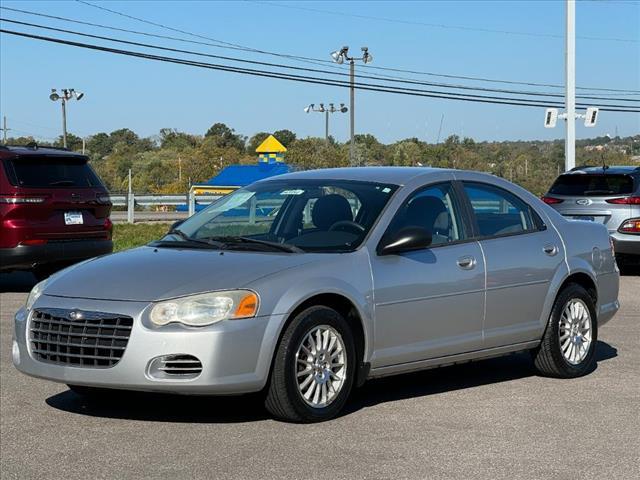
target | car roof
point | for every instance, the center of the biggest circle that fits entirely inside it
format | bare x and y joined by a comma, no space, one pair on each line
391,175
11,151
613,170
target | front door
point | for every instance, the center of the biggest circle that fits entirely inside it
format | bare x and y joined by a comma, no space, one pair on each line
429,303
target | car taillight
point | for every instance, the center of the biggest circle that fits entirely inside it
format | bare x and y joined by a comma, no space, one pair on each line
551,200
108,224
34,241
15,199
624,201
630,226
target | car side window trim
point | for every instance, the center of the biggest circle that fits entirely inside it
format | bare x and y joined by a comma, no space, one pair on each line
471,214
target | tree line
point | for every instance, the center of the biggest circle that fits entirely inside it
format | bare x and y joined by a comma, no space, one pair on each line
172,160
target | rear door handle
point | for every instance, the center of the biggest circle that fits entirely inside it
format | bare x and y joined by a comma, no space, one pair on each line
467,262
550,249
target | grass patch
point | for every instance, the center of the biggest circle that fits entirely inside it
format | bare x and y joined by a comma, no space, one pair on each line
126,235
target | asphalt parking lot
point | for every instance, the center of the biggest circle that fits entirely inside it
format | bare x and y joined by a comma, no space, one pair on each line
491,419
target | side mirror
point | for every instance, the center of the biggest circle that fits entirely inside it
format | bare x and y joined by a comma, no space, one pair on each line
405,240
175,225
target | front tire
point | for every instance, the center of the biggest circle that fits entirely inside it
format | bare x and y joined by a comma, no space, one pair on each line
314,367
568,347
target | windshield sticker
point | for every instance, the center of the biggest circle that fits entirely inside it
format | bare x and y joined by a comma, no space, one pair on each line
386,190
292,192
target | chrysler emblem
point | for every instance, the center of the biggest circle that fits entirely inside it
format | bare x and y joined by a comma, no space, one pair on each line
75,315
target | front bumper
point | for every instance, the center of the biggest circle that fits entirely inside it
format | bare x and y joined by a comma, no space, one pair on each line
235,354
27,256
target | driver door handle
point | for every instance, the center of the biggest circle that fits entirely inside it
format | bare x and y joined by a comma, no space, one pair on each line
467,262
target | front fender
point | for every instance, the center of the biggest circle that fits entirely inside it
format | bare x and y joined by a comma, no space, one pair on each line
347,275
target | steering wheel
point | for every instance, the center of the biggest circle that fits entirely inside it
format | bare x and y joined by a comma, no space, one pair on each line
346,226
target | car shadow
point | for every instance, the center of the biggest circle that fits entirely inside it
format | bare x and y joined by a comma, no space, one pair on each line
17,282
249,408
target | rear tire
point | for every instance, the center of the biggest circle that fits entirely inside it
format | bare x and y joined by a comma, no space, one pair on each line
316,354
568,346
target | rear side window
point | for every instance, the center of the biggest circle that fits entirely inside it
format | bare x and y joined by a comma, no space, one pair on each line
580,184
499,212
51,172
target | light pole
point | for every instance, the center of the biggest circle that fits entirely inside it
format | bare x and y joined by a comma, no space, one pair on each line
339,56
330,109
67,94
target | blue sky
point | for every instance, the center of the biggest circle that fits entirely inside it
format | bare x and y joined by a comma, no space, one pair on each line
146,96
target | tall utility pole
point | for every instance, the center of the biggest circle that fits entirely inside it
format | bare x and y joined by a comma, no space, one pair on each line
339,56
67,94
326,110
4,130
570,86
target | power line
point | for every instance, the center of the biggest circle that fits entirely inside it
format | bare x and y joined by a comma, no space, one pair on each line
307,79
146,45
325,63
436,25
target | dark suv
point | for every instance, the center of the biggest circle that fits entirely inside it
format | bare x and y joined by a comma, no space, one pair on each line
54,210
608,195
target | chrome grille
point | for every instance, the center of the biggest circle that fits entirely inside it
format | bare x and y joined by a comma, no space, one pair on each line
79,338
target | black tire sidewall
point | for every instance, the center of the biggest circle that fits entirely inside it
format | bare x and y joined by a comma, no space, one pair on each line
568,294
298,329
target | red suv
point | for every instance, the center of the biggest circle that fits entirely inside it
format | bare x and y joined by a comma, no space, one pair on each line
54,210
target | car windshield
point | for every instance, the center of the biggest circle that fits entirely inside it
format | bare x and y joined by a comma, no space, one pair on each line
288,215
581,184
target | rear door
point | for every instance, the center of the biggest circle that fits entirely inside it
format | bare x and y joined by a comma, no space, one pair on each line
521,256
71,201
594,197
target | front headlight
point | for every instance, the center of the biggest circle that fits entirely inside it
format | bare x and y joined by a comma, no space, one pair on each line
35,293
206,308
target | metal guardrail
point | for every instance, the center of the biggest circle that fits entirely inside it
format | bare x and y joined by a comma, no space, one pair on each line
132,200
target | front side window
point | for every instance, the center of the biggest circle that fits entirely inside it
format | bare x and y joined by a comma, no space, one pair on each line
499,212
314,216
433,209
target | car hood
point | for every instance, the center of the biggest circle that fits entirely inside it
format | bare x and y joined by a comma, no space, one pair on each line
150,274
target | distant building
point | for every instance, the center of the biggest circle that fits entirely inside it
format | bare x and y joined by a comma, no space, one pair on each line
270,163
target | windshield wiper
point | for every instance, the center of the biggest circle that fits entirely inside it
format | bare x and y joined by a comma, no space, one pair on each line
209,243
283,247
62,182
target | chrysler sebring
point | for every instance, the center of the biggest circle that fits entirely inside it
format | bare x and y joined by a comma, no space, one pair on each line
307,284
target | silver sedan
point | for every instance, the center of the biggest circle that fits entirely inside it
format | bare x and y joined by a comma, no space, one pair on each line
305,285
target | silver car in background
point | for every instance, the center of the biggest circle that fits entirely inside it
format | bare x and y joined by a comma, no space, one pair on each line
607,195
305,285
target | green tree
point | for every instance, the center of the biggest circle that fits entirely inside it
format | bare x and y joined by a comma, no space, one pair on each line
285,137
74,142
225,136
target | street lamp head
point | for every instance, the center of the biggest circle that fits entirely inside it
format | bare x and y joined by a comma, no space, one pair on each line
308,108
321,109
366,56
78,95
54,96
339,56
343,109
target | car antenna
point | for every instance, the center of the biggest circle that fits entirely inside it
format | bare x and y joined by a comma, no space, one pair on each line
604,163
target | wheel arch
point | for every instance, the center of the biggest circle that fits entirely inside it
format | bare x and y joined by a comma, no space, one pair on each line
349,311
